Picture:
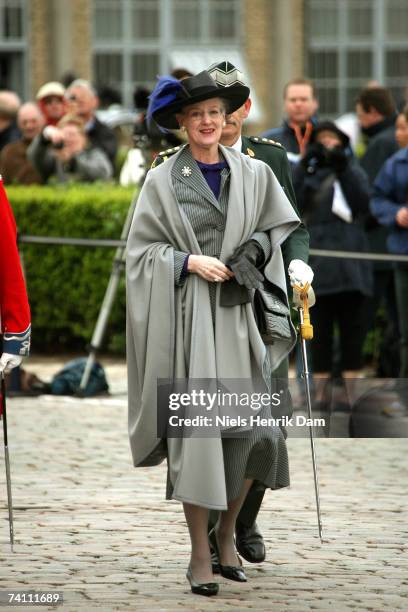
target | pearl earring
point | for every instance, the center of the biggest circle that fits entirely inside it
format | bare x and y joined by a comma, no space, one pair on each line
224,123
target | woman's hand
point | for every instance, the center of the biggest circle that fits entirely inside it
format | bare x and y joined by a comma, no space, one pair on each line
209,268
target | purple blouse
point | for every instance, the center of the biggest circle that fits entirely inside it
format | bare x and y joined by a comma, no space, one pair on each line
212,174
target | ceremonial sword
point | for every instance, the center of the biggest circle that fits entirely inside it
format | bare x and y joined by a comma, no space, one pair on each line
7,459
306,333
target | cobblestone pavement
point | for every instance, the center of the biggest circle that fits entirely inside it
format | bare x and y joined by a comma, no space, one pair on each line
88,524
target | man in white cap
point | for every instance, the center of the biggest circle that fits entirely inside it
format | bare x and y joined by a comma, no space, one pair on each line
50,99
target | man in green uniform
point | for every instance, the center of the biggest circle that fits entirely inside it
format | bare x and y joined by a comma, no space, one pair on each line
269,151
295,251
249,540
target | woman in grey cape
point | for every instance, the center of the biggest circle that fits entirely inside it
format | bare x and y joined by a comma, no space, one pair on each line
206,221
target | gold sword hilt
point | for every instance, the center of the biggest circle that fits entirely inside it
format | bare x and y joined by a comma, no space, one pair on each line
306,328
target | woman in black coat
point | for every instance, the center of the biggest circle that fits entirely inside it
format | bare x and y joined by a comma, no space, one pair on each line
333,196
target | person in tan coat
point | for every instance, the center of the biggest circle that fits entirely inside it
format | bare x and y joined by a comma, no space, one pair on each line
15,166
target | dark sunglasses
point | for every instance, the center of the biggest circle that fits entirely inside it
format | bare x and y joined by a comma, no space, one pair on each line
51,99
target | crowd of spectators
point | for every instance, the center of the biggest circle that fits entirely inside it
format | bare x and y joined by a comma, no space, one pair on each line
352,191
15,164
350,178
58,138
64,153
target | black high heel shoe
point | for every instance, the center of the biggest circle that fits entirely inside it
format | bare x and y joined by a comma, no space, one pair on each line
232,572
204,588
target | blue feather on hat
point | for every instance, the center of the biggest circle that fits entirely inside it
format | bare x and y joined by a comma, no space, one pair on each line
167,90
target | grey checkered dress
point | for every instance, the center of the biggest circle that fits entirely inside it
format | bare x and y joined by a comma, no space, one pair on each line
262,454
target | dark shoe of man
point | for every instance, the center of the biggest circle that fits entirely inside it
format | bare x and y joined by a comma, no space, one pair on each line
249,543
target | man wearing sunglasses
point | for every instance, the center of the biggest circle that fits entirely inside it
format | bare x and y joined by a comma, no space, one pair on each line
50,99
83,101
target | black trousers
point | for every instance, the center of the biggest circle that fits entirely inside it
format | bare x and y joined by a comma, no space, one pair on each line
384,295
348,311
401,288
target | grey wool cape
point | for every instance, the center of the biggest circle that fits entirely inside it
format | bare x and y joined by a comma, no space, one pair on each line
170,330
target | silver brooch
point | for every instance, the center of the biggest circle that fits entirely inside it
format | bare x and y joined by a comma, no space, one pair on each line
186,171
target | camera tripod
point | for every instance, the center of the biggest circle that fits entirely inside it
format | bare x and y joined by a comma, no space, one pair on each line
118,265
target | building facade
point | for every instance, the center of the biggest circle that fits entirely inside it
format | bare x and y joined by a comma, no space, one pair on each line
341,44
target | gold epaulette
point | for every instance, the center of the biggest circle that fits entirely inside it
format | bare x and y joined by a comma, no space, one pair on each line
268,141
164,155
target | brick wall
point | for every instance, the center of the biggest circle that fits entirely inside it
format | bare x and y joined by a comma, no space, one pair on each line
60,40
273,48
82,38
39,44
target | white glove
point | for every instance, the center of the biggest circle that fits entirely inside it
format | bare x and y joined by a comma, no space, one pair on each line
300,273
9,361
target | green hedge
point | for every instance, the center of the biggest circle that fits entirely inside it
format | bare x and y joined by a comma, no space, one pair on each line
66,284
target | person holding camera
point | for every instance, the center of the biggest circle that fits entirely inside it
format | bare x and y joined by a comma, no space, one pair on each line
63,153
82,101
332,193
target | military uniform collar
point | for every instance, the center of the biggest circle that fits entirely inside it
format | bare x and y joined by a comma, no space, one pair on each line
238,144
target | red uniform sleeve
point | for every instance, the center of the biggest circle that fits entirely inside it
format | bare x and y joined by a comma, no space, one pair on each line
14,307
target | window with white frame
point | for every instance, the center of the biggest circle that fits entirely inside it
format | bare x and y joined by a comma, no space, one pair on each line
134,40
352,42
13,45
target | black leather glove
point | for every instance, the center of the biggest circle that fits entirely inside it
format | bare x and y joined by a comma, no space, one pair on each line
314,158
337,159
243,263
232,294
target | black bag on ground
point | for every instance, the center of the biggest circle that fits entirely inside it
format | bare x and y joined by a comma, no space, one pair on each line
67,380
